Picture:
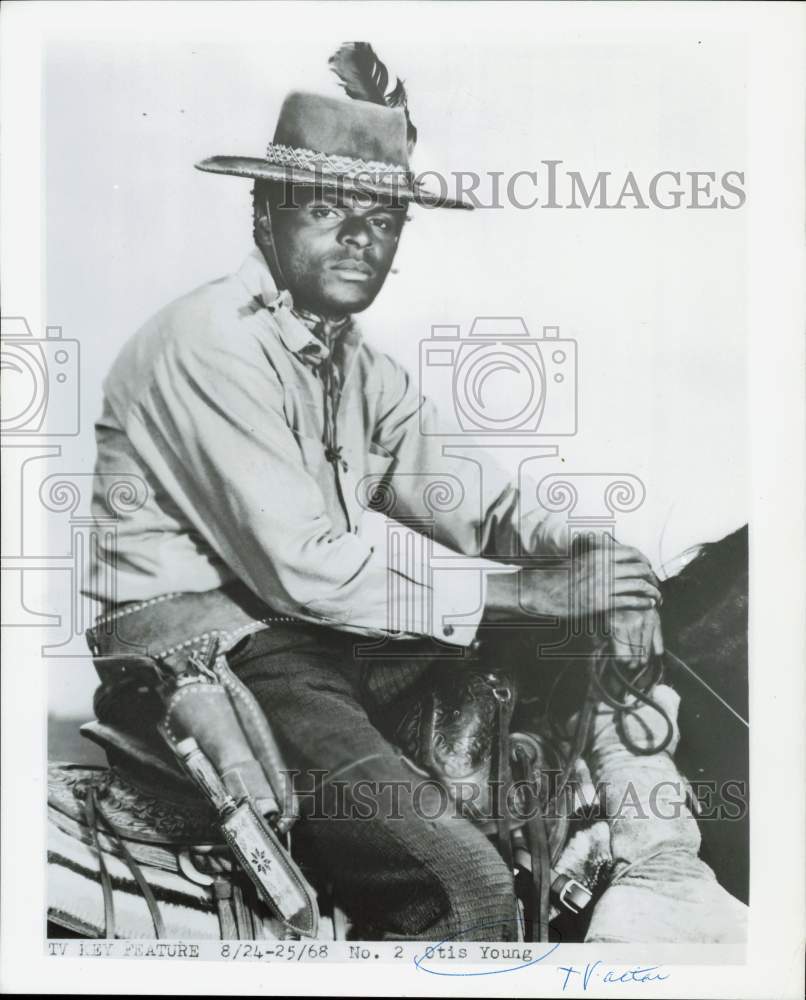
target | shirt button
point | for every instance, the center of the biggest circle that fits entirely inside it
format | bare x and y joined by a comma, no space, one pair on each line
448,630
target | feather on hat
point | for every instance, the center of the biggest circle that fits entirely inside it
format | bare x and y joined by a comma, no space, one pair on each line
361,144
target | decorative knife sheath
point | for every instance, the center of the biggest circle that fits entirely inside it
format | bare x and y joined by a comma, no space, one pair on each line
205,730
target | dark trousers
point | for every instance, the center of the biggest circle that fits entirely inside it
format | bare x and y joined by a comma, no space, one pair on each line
402,865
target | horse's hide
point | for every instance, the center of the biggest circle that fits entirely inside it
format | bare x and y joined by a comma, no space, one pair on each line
705,610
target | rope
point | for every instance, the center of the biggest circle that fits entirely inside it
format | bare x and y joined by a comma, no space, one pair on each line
599,669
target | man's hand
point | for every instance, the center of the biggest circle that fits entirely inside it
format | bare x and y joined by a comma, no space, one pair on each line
634,636
611,580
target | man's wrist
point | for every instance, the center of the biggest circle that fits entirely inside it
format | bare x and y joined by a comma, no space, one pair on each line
502,601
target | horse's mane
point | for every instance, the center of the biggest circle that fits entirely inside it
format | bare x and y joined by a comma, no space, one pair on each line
718,570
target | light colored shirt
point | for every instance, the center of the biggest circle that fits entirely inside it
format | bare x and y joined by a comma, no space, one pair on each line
218,405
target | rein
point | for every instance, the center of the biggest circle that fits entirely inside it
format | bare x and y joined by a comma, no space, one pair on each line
708,688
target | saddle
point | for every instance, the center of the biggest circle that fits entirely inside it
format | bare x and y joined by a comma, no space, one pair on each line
187,833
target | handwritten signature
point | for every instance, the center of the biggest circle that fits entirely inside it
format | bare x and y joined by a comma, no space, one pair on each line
635,974
525,958
450,950
436,951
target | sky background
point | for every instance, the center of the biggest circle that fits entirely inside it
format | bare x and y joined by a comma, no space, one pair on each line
654,299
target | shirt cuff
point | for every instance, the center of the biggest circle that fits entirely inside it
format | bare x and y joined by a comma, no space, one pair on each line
458,596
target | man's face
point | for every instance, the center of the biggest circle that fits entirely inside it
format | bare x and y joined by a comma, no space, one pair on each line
335,248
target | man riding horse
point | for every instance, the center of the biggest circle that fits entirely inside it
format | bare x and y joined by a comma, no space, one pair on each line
257,413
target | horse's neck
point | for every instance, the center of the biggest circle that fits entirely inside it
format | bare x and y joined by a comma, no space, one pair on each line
705,616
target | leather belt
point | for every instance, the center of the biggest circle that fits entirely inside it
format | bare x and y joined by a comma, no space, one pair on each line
175,626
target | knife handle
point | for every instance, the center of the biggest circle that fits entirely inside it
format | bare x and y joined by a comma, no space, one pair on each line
205,775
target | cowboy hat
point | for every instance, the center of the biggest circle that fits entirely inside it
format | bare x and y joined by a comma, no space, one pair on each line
333,143
360,145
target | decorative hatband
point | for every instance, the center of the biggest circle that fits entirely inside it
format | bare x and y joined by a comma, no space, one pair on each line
340,166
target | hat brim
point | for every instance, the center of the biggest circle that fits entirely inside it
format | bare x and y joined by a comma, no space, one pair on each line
257,169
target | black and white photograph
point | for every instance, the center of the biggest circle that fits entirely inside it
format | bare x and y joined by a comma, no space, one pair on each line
402,438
